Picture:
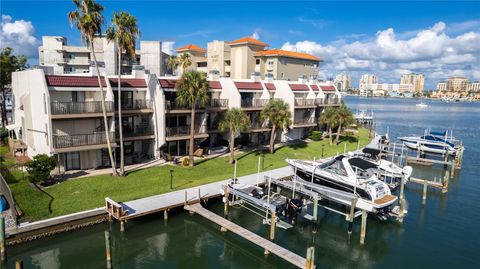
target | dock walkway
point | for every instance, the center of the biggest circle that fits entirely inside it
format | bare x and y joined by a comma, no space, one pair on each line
281,252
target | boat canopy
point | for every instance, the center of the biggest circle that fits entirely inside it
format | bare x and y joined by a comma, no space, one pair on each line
443,134
373,152
361,163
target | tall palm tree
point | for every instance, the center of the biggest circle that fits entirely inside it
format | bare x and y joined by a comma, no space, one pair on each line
234,120
329,117
192,89
172,63
344,117
184,61
279,115
123,32
89,20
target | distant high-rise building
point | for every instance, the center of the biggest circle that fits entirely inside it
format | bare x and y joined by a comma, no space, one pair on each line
442,86
367,79
343,82
417,80
473,86
457,84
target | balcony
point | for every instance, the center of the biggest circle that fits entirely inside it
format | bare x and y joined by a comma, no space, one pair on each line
64,143
174,105
139,131
183,132
80,61
254,103
303,102
327,102
61,110
138,106
219,103
304,122
259,126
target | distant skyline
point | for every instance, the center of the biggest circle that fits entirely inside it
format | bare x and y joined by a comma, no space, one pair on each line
438,39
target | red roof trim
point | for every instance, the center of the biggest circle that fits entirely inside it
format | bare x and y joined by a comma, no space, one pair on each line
298,87
327,88
215,85
73,81
171,84
270,86
256,86
314,87
129,82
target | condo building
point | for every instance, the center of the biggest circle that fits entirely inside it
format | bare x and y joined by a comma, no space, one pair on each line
343,82
457,84
417,80
55,52
61,115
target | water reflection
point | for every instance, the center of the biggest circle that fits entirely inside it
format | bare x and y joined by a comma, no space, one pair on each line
49,259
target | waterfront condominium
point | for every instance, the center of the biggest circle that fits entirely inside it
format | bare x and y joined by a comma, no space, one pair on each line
417,80
61,115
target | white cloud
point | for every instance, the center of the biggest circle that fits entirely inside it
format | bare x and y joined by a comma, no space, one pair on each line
256,34
434,51
167,47
19,35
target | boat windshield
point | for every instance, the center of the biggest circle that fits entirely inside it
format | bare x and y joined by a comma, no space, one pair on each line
438,139
334,166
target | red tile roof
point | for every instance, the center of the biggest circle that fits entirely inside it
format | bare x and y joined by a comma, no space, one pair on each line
286,53
298,87
191,47
171,83
327,88
73,81
314,87
270,86
248,85
248,40
129,82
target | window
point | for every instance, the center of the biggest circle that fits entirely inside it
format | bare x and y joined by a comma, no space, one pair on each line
282,75
72,160
71,56
270,62
257,61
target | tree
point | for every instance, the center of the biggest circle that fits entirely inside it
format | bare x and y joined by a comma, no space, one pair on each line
344,118
8,63
329,117
172,63
192,89
40,167
89,20
123,32
184,61
278,114
234,120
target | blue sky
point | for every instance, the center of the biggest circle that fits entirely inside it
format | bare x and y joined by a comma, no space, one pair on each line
353,37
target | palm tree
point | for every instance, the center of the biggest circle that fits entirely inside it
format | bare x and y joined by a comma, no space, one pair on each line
234,120
329,117
344,118
123,32
184,61
88,19
279,115
192,89
172,63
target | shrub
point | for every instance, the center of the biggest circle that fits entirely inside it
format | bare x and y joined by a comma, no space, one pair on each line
40,167
4,135
316,135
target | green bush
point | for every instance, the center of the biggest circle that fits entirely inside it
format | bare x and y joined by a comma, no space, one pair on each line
40,167
316,135
4,135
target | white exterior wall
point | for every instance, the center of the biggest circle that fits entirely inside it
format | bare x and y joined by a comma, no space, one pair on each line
230,92
284,92
151,56
157,96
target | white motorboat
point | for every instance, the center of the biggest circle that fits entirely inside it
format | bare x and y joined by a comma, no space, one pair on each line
421,105
430,142
340,173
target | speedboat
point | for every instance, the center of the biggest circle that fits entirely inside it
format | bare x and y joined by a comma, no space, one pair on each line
421,104
342,175
430,142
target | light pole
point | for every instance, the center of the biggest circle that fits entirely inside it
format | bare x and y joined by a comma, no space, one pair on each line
171,178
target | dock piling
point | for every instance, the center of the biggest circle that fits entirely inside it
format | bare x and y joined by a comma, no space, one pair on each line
351,215
225,205
165,214
363,229
272,226
3,251
402,200
315,209
446,180
122,226
424,194
18,264
108,250
310,264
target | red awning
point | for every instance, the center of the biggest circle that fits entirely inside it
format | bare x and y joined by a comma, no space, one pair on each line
73,81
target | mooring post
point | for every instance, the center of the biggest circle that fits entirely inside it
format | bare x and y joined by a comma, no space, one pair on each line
186,201
452,168
315,209
272,226
122,226
363,229
351,215
225,205
3,251
424,194
310,263
199,196
18,264
165,214
446,180
108,250
402,200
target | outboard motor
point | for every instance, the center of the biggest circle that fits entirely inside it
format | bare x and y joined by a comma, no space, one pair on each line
294,207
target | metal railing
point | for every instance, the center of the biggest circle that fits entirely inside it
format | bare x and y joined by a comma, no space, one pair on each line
68,141
255,102
304,102
139,130
219,102
61,108
304,121
173,105
259,125
184,130
137,104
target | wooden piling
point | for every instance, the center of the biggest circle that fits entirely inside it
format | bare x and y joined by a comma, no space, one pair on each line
199,196
122,226
351,215
445,182
108,252
18,264
315,210
272,226
186,200
363,229
310,264
402,200
3,251
165,214
225,205
424,194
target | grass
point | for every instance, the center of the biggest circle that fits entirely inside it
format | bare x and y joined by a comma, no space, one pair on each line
89,192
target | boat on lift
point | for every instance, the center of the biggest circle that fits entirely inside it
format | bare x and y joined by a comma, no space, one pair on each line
431,142
343,174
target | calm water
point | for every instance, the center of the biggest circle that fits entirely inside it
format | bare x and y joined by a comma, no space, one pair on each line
443,234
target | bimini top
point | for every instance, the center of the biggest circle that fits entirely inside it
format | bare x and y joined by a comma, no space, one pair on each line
361,163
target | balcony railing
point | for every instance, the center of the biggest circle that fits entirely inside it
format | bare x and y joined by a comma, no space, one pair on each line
61,108
328,101
254,103
304,102
219,103
183,130
69,141
139,130
259,125
173,105
137,104
303,121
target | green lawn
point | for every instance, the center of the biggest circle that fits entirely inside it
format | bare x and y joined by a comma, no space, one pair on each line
89,192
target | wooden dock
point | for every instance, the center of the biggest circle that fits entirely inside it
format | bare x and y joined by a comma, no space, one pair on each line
271,247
